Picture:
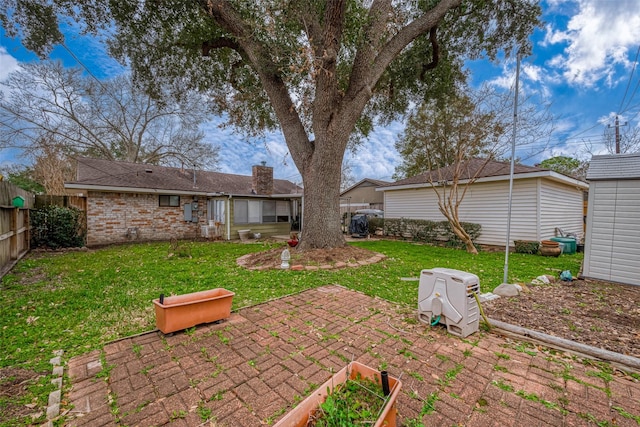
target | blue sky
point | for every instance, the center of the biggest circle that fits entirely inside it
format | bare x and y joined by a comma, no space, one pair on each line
583,62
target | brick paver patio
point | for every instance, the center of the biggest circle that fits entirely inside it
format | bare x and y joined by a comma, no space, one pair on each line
252,368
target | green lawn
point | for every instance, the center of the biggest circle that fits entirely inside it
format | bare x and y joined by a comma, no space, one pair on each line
77,301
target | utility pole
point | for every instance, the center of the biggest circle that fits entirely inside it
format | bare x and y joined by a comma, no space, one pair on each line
617,126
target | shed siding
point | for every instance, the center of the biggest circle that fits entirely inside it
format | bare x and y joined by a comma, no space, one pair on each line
485,204
612,251
561,206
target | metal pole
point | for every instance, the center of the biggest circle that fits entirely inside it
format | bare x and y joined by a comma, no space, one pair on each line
617,135
513,155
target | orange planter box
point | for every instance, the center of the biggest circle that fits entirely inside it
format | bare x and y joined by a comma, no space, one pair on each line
299,416
184,311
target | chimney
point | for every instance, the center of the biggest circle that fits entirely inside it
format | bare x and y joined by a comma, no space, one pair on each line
262,179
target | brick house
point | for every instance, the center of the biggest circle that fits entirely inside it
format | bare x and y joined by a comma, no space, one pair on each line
132,201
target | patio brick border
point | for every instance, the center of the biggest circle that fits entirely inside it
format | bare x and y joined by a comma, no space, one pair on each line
242,262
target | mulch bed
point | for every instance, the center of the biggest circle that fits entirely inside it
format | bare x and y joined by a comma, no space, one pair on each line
596,313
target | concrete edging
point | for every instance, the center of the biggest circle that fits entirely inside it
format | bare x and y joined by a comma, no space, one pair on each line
53,405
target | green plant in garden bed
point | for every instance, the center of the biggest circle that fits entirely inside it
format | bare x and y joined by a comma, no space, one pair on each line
358,401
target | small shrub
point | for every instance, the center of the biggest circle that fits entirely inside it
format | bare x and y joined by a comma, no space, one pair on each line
526,246
57,227
374,224
434,232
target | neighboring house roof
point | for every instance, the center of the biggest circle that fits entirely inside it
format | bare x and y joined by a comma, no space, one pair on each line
122,176
614,166
374,182
473,169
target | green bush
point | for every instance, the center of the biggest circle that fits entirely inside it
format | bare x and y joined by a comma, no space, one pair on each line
375,223
435,232
526,246
57,227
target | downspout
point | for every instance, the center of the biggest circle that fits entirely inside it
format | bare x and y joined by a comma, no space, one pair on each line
228,210
301,213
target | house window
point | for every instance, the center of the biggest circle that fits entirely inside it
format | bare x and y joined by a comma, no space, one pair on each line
219,211
269,211
283,211
260,212
246,212
169,200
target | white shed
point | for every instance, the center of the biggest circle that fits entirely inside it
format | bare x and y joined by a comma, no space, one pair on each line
612,240
542,201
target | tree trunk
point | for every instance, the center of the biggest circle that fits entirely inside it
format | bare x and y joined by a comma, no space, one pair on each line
466,239
451,215
321,207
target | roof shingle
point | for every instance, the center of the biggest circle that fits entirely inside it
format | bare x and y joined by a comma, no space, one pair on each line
107,173
472,169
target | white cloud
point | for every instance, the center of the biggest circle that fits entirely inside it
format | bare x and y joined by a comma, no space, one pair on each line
377,158
8,63
597,39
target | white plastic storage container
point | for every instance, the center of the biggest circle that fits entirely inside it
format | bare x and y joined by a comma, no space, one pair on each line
447,296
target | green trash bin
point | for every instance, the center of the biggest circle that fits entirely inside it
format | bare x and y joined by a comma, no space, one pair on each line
569,244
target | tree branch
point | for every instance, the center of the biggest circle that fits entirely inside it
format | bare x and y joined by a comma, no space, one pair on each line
220,43
258,57
433,39
373,71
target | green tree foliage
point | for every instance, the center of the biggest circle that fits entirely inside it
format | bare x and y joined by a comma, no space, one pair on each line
23,177
443,132
567,166
440,141
485,115
323,71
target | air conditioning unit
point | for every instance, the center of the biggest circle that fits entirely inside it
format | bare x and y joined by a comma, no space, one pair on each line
446,296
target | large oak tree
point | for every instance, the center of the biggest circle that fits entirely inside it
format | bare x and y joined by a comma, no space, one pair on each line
324,71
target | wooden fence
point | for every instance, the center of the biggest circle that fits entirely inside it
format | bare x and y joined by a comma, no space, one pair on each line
64,201
14,225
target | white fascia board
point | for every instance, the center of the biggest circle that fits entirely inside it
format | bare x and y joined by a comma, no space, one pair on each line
404,187
258,196
543,174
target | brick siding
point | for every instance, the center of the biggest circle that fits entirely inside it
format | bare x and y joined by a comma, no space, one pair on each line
124,217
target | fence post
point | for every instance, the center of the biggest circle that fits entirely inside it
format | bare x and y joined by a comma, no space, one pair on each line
13,240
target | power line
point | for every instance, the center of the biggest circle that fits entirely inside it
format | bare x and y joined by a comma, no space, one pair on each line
82,64
635,62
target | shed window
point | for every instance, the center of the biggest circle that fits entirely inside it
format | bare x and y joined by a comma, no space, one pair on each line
169,200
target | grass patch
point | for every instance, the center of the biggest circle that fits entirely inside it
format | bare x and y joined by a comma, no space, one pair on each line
77,301
502,385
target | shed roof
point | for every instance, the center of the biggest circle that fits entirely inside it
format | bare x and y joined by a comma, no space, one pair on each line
482,170
374,182
614,166
100,173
